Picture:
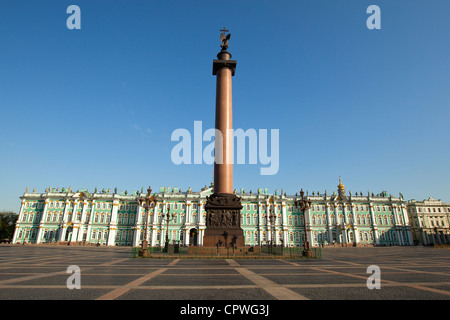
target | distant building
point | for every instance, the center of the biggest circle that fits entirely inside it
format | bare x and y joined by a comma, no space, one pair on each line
430,220
107,218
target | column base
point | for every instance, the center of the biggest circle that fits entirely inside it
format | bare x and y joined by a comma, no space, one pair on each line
223,221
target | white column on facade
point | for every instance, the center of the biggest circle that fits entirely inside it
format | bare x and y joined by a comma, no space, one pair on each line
137,226
355,226
309,233
162,224
345,222
275,226
62,232
136,236
89,222
113,223
41,222
329,223
284,224
263,228
153,225
82,224
22,206
19,219
74,222
374,224
408,232
188,213
258,223
269,223
200,223
186,236
396,224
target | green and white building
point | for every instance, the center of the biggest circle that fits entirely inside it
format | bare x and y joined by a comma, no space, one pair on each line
112,218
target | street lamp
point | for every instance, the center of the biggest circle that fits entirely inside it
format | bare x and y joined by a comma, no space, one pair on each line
168,217
304,204
146,202
272,219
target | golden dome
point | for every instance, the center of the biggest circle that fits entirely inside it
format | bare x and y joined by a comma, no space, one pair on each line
340,186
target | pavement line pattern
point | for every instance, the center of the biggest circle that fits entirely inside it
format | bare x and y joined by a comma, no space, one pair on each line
276,290
114,262
174,262
36,276
402,284
124,289
36,272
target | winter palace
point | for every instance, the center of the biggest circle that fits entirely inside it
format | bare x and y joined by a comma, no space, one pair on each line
112,218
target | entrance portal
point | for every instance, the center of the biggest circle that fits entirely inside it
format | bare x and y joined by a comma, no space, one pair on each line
193,233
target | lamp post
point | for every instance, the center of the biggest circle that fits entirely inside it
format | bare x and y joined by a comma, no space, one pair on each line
147,202
168,217
304,204
272,220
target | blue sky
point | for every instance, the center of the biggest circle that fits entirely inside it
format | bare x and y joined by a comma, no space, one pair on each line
96,107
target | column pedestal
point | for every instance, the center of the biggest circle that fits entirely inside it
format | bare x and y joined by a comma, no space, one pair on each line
223,221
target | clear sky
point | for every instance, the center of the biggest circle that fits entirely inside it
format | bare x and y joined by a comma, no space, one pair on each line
96,107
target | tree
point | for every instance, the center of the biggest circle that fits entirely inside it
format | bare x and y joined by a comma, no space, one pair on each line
7,224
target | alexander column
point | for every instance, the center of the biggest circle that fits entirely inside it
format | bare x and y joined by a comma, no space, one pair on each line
223,207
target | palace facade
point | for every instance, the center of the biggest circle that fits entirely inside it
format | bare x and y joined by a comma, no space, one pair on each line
430,220
106,218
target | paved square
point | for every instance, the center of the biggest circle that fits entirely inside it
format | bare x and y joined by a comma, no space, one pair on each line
40,272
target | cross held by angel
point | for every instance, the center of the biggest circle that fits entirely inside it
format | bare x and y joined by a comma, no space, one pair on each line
224,39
